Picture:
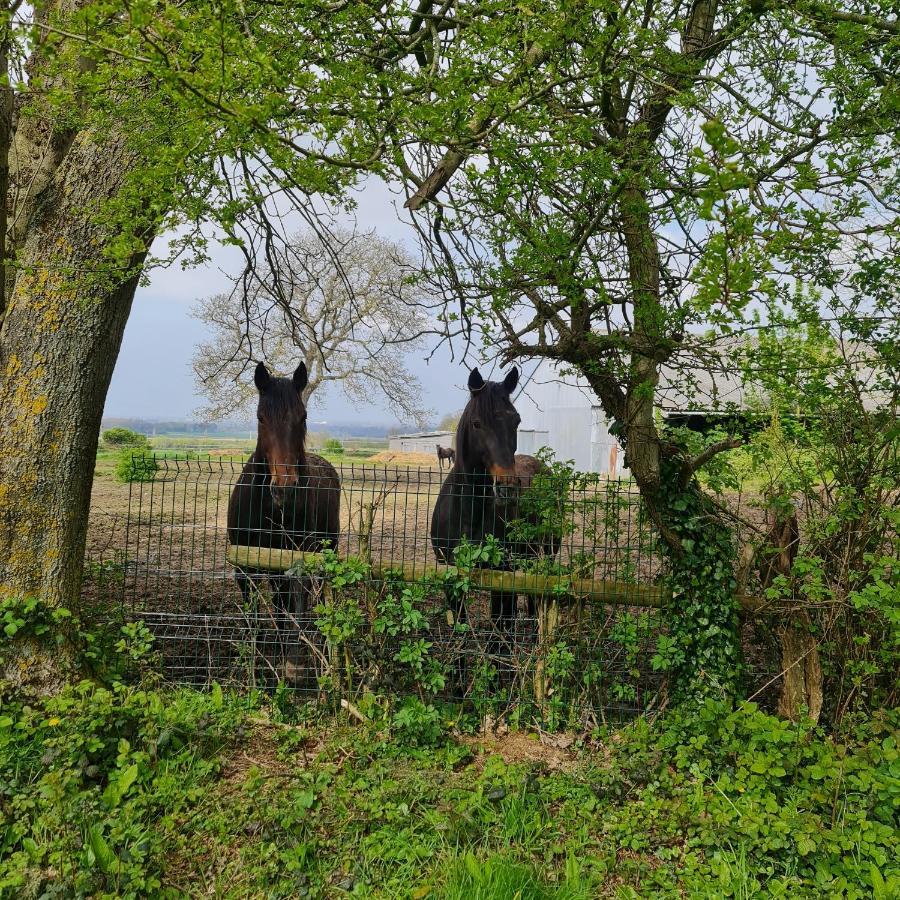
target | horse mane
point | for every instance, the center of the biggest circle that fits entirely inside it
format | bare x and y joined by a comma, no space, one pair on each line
482,404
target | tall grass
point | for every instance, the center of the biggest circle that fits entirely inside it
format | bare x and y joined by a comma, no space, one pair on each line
502,878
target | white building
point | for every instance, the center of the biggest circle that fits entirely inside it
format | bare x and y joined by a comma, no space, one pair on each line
423,442
563,414
566,417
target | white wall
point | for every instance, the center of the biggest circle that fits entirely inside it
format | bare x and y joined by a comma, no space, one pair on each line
565,416
416,443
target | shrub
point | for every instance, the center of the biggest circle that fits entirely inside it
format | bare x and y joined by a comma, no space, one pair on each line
124,437
840,469
136,465
333,445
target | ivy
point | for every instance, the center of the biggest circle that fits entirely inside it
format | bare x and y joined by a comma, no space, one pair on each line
702,652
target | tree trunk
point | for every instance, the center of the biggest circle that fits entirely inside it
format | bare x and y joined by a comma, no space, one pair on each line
59,338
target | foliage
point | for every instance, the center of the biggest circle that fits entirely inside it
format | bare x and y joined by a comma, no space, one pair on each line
449,421
334,446
29,617
709,802
118,789
702,653
379,647
125,437
136,465
832,451
85,775
502,877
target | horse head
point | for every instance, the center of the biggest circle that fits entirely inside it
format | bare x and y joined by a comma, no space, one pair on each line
281,439
487,433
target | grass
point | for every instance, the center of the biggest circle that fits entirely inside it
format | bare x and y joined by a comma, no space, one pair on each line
141,790
501,878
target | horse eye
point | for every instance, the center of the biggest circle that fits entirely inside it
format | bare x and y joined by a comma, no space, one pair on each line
476,424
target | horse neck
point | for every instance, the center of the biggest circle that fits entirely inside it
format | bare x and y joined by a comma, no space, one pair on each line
464,469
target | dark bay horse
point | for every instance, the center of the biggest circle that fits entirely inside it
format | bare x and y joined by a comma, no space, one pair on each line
447,453
481,495
285,498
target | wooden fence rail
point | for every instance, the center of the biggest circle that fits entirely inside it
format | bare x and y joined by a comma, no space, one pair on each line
615,593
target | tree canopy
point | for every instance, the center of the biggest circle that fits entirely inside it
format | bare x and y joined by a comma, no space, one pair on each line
609,186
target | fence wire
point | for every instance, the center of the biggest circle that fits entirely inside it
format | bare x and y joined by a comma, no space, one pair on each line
563,630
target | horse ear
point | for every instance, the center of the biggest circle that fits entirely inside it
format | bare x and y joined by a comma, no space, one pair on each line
476,382
261,377
300,377
511,380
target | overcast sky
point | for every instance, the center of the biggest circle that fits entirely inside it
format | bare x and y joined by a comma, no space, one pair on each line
153,377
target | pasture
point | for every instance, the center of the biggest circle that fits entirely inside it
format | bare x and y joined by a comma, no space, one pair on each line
586,654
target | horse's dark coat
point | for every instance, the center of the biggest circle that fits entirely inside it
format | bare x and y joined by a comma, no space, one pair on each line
447,453
480,495
285,498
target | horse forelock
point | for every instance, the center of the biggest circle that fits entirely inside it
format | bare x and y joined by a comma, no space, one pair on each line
280,397
278,403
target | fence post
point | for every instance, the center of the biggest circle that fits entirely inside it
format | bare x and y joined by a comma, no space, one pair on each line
548,621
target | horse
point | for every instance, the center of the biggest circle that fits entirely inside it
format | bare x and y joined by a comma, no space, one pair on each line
285,498
447,453
481,494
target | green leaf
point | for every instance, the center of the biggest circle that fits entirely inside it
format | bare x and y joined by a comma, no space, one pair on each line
119,785
103,853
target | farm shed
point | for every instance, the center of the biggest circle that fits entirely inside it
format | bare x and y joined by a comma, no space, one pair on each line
422,442
562,413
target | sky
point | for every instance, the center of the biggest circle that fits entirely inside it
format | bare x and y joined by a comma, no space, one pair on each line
153,377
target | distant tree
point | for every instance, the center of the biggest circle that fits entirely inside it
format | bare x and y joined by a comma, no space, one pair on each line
351,309
124,437
449,421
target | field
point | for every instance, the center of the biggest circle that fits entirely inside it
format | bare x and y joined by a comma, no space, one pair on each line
158,549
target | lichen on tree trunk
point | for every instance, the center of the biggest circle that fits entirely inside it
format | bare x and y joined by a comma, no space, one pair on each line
59,338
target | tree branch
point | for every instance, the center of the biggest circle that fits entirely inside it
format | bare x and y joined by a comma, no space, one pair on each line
701,459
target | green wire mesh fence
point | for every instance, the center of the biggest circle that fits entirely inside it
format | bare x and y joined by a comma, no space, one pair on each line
560,621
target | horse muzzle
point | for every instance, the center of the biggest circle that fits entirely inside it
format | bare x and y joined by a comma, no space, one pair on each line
506,483
283,484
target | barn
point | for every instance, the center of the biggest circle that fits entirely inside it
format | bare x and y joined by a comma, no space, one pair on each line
422,442
563,414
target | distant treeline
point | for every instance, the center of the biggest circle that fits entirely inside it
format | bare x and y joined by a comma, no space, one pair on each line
151,427
162,426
